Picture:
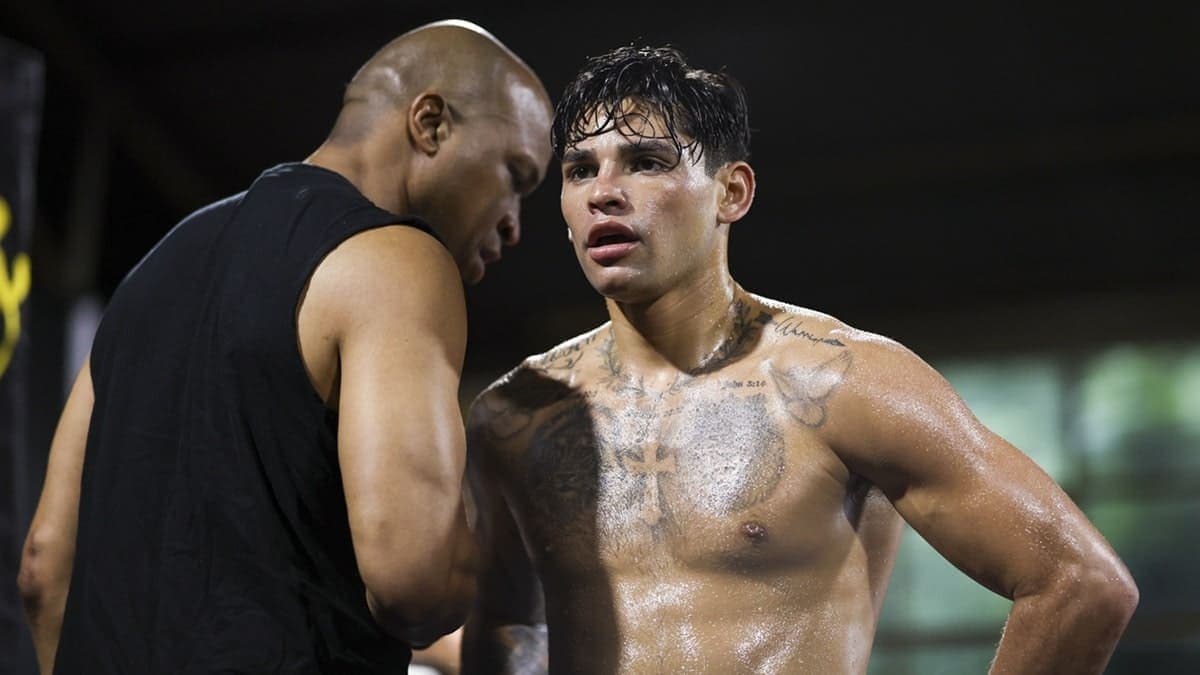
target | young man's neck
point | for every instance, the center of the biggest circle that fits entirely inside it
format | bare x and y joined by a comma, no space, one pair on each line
680,331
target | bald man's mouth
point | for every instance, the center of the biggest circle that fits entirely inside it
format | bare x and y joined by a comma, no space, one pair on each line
489,255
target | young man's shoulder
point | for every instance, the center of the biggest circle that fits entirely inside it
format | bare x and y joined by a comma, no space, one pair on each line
799,333
568,359
543,379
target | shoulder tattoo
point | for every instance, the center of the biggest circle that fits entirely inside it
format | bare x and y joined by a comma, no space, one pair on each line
806,391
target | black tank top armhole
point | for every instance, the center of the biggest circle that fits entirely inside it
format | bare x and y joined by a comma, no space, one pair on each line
353,223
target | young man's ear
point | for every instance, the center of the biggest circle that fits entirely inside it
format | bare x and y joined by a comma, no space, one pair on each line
428,122
738,194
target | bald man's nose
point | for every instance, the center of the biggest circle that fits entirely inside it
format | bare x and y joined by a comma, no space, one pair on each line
510,228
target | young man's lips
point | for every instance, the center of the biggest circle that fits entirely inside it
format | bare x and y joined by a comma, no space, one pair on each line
610,232
610,241
609,253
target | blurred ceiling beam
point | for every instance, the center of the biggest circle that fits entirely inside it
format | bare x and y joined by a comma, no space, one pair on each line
135,129
1134,141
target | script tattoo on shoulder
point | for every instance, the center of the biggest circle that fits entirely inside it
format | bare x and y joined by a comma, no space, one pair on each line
806,392
793,326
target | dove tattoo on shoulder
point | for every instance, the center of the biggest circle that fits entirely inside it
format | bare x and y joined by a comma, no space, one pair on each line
806,392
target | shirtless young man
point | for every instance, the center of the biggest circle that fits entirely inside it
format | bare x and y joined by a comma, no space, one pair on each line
716,482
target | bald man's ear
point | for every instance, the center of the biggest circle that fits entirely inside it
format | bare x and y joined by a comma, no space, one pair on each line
428,122
738,180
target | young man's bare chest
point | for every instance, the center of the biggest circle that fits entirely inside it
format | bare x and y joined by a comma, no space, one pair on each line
707,472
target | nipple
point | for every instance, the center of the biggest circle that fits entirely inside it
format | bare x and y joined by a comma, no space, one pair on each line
754,531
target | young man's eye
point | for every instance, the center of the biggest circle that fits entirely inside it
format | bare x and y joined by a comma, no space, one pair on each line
578,172
647,164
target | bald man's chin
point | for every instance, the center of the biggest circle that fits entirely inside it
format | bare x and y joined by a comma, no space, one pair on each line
473,271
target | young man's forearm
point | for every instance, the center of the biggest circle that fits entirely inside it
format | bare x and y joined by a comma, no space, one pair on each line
1069,629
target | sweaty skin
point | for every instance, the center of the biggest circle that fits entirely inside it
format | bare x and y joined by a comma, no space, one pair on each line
714,482
699,525
739,517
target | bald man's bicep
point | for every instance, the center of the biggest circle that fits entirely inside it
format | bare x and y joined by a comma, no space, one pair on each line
397,313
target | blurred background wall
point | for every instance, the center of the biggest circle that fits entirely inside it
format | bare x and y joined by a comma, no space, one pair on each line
1010,189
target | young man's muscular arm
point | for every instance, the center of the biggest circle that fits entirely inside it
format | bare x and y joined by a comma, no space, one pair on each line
987,508
49,552
506,631
394,301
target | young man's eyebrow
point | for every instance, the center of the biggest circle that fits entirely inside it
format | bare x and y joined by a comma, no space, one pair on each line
648,145
577,155
627,149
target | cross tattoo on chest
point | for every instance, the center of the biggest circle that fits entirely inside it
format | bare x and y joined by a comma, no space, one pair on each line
650,465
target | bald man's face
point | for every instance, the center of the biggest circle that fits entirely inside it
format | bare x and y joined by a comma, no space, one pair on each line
495,155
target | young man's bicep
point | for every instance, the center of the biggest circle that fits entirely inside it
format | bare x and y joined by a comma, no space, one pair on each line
506,631
978,500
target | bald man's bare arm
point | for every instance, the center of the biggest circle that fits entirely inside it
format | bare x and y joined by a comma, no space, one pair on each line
48,555
393,304
987,508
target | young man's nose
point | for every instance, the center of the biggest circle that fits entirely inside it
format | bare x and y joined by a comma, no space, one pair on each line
607,193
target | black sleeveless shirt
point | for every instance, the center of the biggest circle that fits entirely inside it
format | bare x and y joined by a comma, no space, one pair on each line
213,534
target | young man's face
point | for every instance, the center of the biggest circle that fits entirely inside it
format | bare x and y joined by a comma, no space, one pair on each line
642,219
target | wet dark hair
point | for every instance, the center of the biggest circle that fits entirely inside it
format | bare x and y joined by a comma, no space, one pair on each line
710,109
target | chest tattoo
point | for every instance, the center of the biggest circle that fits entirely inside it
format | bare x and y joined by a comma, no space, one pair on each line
622,461
646,468
650,467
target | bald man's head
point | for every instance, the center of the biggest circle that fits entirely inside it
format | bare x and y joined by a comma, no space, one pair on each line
447,124
458,60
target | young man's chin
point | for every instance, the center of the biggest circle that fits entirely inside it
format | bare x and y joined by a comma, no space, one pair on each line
622,288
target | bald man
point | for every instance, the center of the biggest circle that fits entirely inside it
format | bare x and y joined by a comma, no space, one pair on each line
259,470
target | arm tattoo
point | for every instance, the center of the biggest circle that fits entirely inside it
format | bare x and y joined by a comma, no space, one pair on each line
806,393
564,465
525,649
510,409
505,420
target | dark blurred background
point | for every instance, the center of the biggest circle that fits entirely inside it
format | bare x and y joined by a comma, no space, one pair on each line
1011,189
